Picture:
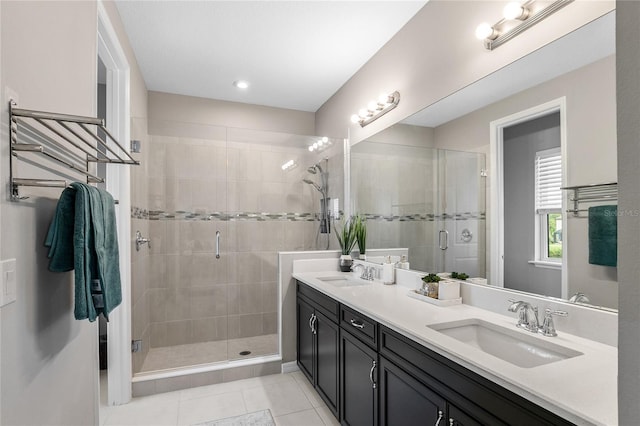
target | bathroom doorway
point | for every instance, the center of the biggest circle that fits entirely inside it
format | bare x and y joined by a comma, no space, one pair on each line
528,255
117,183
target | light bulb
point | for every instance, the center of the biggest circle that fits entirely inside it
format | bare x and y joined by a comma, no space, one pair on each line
320,143
355,118
315,145
485,31
241,84
311,148
514,10
325,139
373,106
383,99
363,113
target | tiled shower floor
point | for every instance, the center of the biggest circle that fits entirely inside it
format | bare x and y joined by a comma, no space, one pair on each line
208,352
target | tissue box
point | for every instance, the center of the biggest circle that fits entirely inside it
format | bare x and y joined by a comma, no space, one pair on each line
448,290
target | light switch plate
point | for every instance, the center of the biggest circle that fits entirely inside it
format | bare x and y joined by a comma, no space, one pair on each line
8,281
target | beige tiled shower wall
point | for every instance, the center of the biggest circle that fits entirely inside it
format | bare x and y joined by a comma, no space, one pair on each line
191,296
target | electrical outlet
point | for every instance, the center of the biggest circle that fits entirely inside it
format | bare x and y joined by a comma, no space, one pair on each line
8,281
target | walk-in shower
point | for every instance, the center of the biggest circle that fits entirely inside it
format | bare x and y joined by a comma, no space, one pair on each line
325,226
205,295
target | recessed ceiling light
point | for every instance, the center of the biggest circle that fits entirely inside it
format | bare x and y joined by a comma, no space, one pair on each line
241,84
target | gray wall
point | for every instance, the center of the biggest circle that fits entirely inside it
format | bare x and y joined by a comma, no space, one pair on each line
521,142
628,91
49,361
44,350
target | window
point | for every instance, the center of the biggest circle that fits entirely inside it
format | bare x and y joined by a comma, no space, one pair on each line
548,205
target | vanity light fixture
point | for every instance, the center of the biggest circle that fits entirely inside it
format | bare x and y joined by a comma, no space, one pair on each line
320,145
376,109
241,84
518,17
289,165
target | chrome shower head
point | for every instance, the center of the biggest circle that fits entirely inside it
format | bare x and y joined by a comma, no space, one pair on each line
315,185
314,169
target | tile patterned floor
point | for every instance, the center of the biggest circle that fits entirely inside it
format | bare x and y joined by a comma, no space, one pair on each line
208,352
290,398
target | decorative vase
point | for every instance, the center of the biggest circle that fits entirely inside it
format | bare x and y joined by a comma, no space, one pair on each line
345,263
363,256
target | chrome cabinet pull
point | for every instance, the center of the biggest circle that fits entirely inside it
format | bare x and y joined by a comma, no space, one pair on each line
446,239
373,367
313,324
217,244
357,324
440,415
451,421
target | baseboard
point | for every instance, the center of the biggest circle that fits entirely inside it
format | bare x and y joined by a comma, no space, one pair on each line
289,367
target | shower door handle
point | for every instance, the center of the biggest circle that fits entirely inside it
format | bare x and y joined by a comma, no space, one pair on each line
217,244
445,245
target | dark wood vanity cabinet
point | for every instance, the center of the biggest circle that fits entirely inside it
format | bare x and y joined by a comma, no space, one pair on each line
318,343
470,398
371,375
358,369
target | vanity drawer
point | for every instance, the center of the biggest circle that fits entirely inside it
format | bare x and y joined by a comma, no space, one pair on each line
327,305
462,387
359,325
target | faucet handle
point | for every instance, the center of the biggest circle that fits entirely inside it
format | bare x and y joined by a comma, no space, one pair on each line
548,328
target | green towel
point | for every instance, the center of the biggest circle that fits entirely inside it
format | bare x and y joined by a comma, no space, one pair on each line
83,237
60,236
603,235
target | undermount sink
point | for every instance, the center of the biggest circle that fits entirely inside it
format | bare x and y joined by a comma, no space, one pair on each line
509,345
344,281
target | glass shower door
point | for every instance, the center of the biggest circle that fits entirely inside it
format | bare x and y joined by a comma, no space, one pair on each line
460,213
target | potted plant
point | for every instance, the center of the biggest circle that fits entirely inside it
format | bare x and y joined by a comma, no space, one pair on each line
430,285
361,235
347,240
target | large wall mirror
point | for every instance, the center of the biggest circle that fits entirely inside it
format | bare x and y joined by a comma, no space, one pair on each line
456,182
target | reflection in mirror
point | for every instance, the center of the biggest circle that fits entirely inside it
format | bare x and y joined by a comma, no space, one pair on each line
408,170
428,200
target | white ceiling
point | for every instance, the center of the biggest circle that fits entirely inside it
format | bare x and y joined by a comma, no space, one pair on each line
295,54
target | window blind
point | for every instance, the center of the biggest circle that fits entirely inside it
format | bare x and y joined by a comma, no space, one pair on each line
548,169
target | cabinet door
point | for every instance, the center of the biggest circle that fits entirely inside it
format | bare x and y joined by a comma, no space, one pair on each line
327,360
305,346
458,417
358,374
405,401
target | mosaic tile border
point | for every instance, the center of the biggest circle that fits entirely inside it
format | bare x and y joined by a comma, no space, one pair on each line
140,213
428,217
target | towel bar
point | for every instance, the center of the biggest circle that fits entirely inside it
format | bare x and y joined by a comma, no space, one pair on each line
62,139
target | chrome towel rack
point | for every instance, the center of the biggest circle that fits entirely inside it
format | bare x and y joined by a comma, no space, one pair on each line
70,141
593,193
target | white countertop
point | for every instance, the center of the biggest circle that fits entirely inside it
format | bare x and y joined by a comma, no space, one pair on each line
582,389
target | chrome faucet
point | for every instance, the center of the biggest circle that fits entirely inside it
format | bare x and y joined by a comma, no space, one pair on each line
528,318
579,298
527,315
364,269
367,271
548,328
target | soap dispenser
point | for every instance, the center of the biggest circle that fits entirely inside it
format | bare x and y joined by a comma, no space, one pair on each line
404,263
388,272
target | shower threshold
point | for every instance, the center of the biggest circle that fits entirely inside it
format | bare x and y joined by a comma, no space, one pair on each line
180,356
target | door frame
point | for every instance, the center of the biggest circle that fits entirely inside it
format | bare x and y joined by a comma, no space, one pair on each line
497,185
110,51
